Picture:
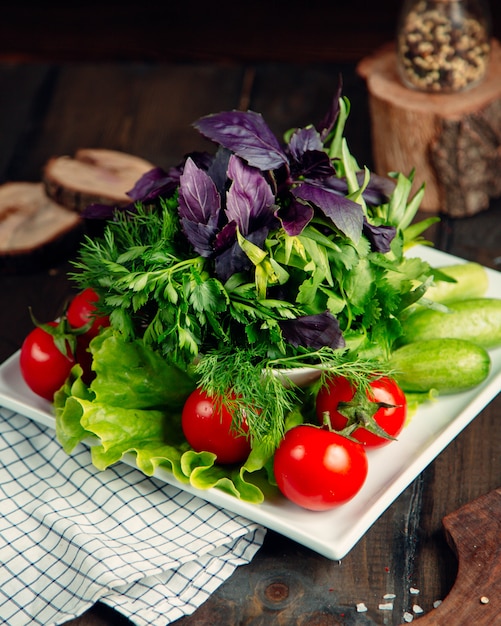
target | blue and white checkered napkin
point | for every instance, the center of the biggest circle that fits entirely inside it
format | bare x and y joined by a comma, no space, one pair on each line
71,535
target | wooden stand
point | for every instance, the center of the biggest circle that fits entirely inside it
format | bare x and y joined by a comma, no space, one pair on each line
453,141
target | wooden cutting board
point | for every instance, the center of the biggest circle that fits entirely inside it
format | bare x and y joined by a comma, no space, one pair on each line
474,533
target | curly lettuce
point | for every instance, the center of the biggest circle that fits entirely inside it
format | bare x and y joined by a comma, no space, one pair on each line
133,407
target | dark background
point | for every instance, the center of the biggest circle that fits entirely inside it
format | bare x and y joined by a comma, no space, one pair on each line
194,30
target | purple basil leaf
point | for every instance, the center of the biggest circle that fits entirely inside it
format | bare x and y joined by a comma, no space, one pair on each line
225,238
233,259
308,158
295,216
201,236
246,134
202,160
379,189
380,237
336,184
313,331
345,214
249,197
199,200
304,140
313,165
327,124
218,170
199,207
155,183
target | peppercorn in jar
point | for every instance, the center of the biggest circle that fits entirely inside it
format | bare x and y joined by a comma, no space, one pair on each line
443,46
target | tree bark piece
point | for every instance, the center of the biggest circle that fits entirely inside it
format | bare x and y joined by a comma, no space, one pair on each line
453,141
93,175
34,230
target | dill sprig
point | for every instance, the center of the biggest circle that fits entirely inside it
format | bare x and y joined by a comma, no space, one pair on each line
257,389
255,394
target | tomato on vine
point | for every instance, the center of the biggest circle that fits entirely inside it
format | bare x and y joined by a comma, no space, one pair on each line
375,416
319,469
207,424
50,350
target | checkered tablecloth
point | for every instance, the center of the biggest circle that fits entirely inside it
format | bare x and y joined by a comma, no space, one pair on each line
71,535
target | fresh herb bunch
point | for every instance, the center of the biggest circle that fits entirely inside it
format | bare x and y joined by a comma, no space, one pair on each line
282,249
283,254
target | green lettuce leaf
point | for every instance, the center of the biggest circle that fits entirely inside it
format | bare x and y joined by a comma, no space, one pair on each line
133,407
69,430
130,374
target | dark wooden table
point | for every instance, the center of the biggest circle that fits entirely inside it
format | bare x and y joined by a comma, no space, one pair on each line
51,109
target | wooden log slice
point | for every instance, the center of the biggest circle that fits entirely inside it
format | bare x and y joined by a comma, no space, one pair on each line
34,230
93,176
453,141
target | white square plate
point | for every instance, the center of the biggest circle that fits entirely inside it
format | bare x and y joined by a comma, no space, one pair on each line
332,533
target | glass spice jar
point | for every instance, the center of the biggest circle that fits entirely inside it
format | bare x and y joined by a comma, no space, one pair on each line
443,46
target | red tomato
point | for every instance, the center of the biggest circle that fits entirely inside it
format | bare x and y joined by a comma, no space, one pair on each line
80,312
43,366
319,469
82,309
207,427
383,406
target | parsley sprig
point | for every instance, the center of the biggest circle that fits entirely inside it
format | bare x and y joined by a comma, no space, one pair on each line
153,289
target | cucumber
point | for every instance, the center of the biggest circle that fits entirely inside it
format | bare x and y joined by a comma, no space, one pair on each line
446,365
471,282
476,319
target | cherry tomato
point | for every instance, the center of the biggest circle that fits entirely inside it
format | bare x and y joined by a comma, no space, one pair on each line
82,309
319,469
207,426
43,366
376,417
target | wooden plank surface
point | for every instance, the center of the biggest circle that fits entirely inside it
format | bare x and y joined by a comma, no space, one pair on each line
147,109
